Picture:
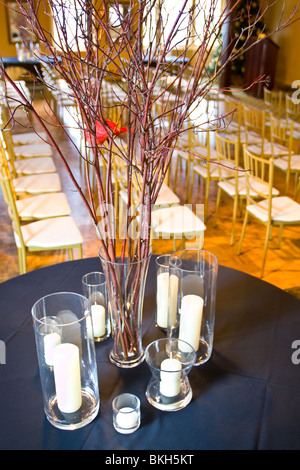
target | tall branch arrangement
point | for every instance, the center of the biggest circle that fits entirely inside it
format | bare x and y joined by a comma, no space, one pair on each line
130,50
133,49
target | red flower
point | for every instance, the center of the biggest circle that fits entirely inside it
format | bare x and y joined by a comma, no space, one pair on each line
101,133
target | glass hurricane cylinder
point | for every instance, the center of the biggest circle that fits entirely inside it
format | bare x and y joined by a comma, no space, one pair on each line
170,360
95,290
197,272
66,356
126,280
166,292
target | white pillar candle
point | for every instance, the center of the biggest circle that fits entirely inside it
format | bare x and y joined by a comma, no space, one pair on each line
66,366
170,377
173,286
98,319
190,319
162,299
50,342
89,326
167,291
127,418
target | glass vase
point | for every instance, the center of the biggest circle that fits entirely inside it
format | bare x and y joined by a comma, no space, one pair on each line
126,280
197,272
66,356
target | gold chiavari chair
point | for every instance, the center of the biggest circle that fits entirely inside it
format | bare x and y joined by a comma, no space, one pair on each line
231,182
206,168
232,118
268,210
28,166
32,184
59,233
273,102
24,137
292,108
255,130
285,158
36,207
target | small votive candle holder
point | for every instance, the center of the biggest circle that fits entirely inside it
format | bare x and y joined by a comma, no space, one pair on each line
94,288
126,413
170,361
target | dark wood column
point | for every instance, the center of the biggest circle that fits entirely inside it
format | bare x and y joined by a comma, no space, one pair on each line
227,37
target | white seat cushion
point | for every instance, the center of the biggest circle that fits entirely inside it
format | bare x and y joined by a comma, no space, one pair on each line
282,163
36,184
275,149
35,166
269,149
196,151
249,138
176,220
28,138
43,206
166,196
229,187
296,134
296,126
50,233
203,152
284,210
232,127
229,135
41,149
214,168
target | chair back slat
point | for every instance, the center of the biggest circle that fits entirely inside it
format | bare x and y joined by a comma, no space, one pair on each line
292,107
282,132
228,157
254,120
273,101
259,179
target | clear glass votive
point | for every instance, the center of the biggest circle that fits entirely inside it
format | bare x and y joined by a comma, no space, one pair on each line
94,288
66,357
170,361
166,293
197,285
126,413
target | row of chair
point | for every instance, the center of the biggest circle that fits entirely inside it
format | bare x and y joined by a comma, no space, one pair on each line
282,104
223,155
266,207
249,126
39,211
255,187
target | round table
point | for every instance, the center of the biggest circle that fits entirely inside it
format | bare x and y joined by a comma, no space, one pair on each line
247,396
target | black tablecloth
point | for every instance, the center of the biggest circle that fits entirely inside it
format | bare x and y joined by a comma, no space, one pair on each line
246,397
